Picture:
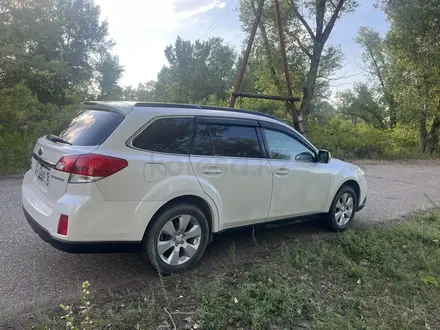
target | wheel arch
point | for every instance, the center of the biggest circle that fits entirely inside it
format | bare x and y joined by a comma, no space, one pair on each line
352,184
198,201
355,185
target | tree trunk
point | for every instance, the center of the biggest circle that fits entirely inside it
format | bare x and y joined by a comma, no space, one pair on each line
433,139
424,115
434,132
309,88
393,111
423,133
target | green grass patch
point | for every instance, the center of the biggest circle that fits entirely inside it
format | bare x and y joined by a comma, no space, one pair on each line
381,278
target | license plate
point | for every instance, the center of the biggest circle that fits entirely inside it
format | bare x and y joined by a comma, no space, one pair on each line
43,174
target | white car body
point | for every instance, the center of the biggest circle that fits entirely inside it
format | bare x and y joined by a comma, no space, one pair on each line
236,191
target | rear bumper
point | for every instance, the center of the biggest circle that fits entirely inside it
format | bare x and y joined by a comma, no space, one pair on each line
91,218
81,247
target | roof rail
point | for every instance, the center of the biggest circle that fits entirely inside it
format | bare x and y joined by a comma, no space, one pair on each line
203,107
251,112
166,105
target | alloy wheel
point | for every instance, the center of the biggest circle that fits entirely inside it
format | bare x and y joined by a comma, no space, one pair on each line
179,240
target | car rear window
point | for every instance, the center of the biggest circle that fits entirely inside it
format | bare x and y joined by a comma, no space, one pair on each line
89,127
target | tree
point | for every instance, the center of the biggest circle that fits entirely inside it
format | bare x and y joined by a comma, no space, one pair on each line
109,72
378,66
312,40
55,45
414,41
310,62
146,92
196,71
17,108
360,102
323,112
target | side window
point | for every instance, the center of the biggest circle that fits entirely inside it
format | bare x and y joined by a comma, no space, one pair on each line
235,141
283,146
227,140
168,135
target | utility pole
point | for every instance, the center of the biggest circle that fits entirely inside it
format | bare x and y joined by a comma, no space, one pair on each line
246,54
289,99
297,120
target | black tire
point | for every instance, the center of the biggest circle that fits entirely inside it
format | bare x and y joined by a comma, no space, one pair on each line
149,248
331,222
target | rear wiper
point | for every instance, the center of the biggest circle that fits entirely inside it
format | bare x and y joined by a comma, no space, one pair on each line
55,138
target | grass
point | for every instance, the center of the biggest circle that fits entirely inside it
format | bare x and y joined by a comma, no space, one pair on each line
380,278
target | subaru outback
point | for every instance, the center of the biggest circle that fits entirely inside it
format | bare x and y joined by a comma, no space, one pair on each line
164,178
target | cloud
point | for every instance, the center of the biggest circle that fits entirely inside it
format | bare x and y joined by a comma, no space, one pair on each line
188,8
143,28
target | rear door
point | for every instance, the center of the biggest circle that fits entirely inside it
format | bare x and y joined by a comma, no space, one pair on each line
80,135
229,160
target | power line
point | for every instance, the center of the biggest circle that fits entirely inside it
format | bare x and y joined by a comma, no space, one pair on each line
234,38
219,19
219,16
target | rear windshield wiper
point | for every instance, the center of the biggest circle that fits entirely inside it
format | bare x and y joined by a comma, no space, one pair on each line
55,138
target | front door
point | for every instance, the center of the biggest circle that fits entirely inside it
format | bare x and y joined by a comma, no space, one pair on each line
300,183
228,160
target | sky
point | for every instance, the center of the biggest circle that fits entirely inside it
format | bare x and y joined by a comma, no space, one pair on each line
143,28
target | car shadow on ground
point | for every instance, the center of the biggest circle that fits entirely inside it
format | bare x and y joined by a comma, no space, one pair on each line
125,270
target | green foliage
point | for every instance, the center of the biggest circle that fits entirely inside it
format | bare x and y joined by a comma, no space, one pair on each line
254,302
196,71
109,73
145,92
323,111
55,45
53,55
22,120
414,43
362,141
79,319
311,62
360,102
378,65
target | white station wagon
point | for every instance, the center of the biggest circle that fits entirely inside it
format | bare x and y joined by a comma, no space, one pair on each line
163,178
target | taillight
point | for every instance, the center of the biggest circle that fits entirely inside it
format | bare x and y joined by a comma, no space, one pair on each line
66,163
90,167
63,223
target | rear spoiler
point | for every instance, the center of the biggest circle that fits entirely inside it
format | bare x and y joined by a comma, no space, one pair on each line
120,106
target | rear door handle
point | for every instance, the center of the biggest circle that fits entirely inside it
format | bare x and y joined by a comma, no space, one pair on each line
212,170
282,172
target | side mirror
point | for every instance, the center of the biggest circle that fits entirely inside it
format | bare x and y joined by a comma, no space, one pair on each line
324,156
306,157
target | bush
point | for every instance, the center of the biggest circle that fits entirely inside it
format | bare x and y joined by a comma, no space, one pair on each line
16,148
362,141
22,121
